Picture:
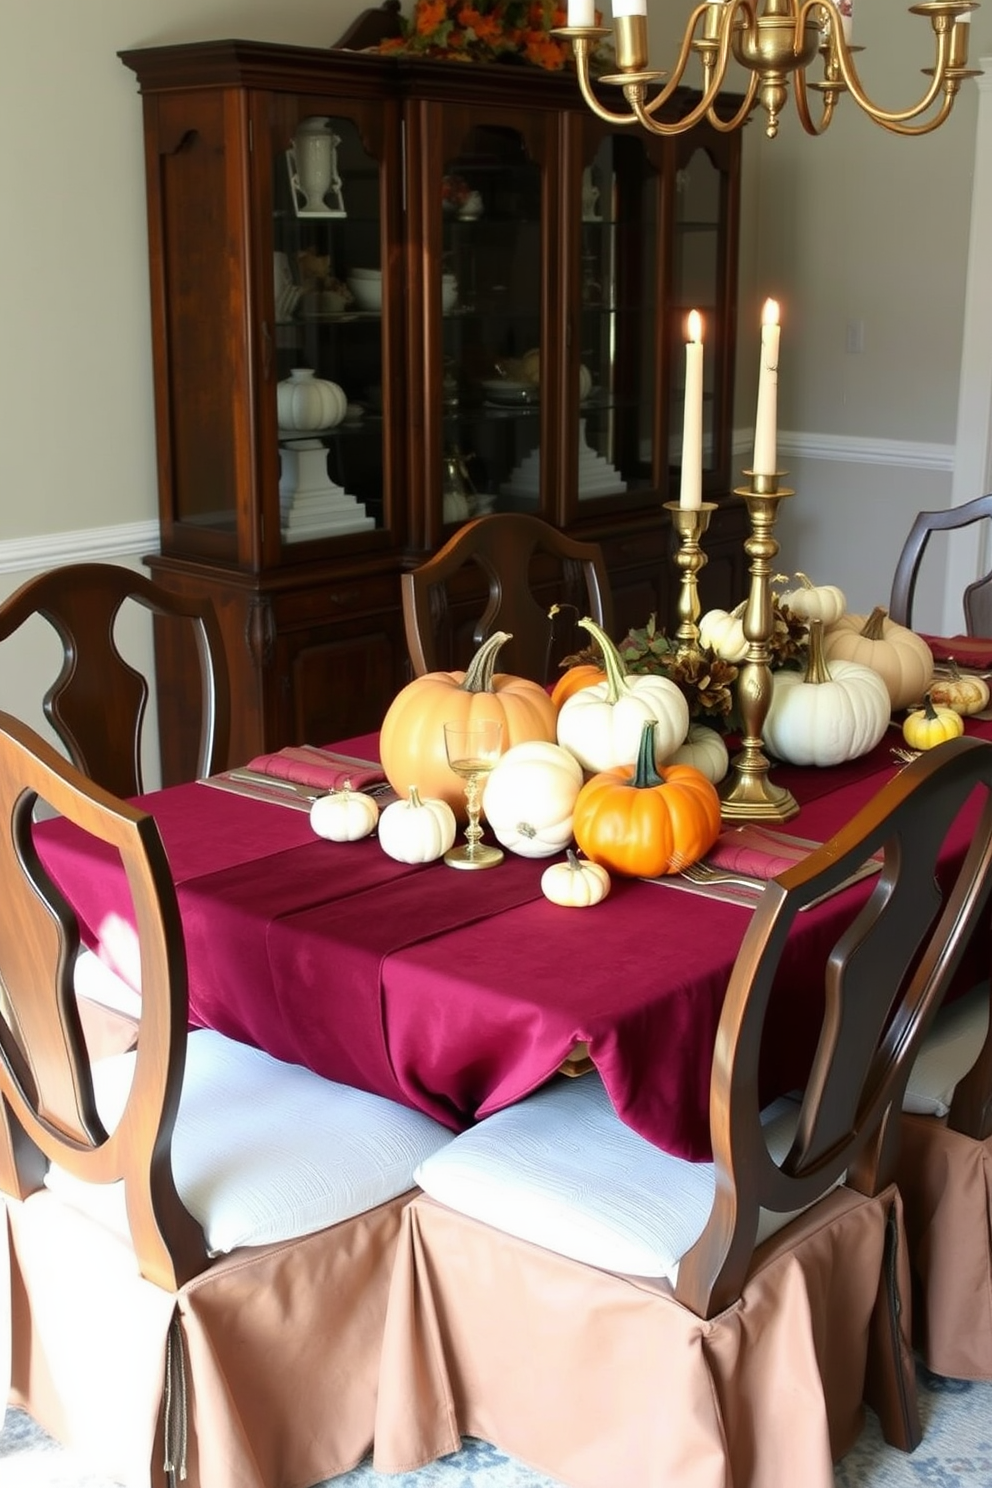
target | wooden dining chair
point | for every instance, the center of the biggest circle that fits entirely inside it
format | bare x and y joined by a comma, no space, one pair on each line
97,703
503,572
198,1237
945,1177
610,1313
977,596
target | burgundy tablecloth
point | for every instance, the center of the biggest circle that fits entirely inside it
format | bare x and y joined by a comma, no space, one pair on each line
460,993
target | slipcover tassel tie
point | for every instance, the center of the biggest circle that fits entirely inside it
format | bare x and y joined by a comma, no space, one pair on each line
175,1406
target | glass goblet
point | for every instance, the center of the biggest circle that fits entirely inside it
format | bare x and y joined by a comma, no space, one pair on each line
472,750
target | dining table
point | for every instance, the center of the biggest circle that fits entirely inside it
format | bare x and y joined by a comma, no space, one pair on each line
460,993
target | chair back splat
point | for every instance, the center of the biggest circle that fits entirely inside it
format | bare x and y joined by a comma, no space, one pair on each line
504,572
885,979
97,702
977,596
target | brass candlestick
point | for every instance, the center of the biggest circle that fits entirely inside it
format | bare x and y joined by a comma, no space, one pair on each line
747,791
690,522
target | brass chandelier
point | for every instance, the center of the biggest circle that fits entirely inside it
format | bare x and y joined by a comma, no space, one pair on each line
776,45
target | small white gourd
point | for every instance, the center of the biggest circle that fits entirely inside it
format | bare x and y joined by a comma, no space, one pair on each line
344,815
815,601
837,711
705,750
722,632
416,831
576,883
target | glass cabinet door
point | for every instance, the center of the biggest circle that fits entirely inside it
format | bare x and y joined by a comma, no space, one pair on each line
491,297
330,300
616,376
696,284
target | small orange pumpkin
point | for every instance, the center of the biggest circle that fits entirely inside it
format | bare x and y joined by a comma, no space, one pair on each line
655,822
584,674
411,742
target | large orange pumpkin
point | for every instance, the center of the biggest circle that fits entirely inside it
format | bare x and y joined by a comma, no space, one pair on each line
411,742
652,823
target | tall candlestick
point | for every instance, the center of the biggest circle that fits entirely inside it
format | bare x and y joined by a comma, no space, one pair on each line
765,424
581,13
691,493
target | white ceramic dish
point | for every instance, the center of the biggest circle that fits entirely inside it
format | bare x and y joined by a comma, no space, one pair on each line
367,292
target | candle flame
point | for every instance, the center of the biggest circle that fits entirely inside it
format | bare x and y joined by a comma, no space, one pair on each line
769,315
695,326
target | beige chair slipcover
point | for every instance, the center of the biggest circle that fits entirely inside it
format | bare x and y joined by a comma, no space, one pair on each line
275,1399
597,1378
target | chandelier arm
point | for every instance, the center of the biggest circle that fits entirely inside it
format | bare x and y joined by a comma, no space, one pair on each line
581,51
727,126
803,110
840,55
682,61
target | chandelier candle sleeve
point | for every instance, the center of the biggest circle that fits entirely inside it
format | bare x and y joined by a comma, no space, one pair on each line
581,13
765,460
630,7
691,491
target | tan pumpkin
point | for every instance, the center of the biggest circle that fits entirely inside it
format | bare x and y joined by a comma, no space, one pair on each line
815,601
964,692
411,742
901,658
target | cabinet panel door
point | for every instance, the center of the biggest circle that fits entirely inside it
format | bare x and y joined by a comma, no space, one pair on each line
332,392
491,303
342,680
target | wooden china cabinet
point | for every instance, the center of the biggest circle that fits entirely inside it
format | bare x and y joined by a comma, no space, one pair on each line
496,281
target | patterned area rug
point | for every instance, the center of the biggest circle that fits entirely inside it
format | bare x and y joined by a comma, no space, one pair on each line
956,1453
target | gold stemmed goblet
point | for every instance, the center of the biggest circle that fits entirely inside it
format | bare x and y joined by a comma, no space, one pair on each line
472,749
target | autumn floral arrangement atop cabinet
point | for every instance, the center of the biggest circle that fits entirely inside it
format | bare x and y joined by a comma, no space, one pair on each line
486,31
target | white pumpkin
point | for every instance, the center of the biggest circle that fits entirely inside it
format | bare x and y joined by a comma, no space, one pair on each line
901,657
530,796
602,724
576,883
344,815
705,750
815,601
834,712
416,831
722,632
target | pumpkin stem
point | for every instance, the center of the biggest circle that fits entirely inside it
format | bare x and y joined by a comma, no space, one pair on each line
816,663
929,711
874,627
645,773
805,580
414,802
479,676
613,663
573,859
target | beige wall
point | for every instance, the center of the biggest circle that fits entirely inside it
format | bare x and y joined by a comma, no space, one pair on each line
855,227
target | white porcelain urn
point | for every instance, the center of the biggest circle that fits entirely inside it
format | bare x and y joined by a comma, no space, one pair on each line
307,402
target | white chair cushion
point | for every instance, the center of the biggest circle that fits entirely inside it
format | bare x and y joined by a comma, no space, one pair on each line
948,1052
265,1151
562,1170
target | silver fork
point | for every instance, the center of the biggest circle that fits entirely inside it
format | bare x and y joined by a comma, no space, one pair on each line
699,873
